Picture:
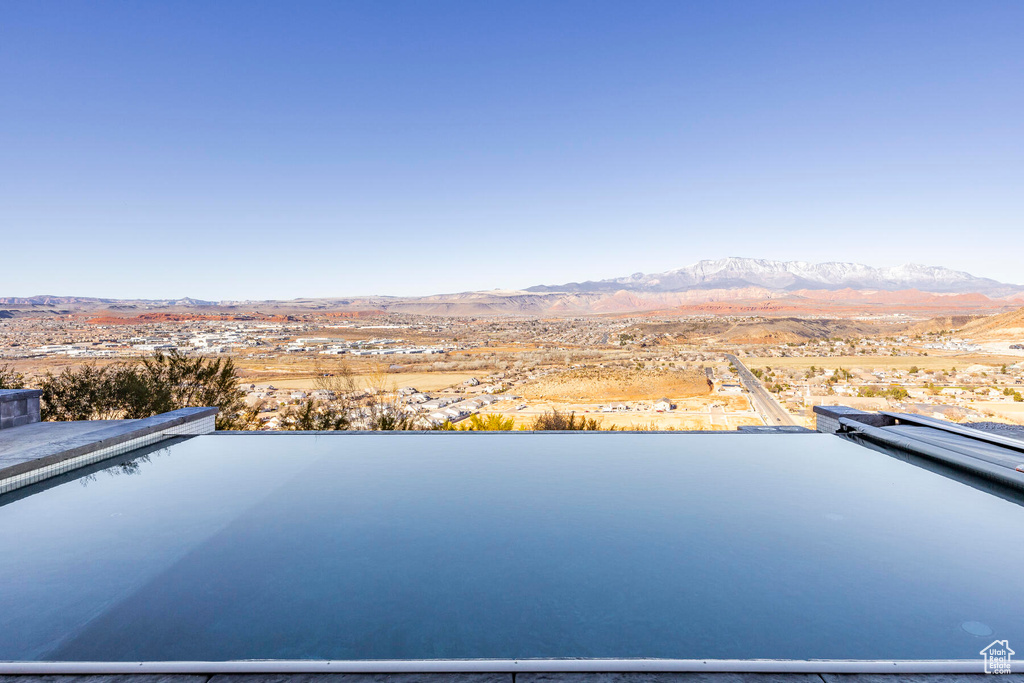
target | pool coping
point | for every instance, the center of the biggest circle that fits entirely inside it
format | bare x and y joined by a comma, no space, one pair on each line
280,666
55,458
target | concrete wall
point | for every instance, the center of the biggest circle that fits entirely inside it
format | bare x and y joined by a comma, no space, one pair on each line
19,407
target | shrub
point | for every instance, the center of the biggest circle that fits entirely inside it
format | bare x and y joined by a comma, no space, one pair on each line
894,392
495,422
157,385
311,416
9,379
557,421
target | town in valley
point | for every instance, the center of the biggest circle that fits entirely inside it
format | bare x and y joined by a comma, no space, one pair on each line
627,371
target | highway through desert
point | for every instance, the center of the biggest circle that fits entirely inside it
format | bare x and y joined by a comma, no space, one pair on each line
764,403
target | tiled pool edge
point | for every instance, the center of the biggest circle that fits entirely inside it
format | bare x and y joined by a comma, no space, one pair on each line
107,443
597,677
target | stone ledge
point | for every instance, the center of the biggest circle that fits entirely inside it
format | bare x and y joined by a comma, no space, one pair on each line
656,677
18,394
31,454
365,678
108,678
40,456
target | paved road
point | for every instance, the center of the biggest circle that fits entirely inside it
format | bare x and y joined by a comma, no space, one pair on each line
764,403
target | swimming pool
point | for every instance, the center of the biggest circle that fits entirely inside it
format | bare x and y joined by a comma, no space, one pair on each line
508,546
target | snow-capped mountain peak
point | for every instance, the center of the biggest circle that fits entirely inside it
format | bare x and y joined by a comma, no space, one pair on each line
790,275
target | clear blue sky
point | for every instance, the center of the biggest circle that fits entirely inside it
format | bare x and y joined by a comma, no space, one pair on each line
272,150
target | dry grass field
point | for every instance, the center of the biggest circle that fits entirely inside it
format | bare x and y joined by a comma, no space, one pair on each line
424,381
283,373
300,372
35,368
616,384
365,333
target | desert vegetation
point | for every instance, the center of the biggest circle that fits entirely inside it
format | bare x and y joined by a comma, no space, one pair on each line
9,379
158,384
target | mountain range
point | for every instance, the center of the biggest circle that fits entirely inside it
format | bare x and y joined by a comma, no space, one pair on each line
736,286
788,276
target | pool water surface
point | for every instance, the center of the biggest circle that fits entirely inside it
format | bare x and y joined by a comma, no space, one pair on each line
452,546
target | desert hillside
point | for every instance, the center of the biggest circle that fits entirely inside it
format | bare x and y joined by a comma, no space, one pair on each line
1003,325
756,330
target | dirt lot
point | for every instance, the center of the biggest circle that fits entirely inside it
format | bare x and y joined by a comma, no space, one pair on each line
589,385
690,413
1013,412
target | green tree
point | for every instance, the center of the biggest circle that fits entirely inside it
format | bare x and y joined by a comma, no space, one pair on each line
178,381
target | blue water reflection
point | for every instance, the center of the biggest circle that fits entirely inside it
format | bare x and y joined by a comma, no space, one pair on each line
510,546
